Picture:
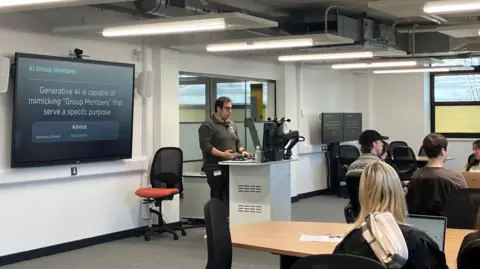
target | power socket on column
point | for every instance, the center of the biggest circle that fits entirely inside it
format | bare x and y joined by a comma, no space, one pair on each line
324,147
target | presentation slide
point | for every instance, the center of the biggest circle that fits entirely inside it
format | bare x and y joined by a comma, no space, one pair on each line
457,119
71,110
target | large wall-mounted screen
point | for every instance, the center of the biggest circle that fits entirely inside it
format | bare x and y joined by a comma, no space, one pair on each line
71,110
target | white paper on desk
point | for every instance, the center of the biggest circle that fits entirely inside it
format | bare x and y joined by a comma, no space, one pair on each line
329,238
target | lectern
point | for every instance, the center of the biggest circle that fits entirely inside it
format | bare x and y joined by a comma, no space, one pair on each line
259,191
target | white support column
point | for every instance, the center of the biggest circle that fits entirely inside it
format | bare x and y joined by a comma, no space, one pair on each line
286,91
166,114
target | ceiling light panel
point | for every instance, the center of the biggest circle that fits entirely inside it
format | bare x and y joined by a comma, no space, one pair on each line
452,6
413,70
326,56
375,65
281,42
188,24
25,5
162,28
258,45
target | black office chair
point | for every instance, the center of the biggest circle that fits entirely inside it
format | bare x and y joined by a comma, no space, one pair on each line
352,210
462,208
219,241
404,161
166,181
421,152
468,255
336,261
396,144
428,196
347,154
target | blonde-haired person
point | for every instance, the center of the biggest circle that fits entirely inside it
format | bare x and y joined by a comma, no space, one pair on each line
381,191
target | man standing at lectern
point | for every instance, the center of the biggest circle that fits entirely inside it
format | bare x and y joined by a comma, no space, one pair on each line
219,141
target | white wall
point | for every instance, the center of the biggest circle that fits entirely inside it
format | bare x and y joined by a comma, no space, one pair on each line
322,90
43,207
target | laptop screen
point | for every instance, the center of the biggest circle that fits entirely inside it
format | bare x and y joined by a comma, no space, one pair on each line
435,227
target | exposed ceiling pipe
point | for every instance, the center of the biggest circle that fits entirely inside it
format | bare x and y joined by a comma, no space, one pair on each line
326,15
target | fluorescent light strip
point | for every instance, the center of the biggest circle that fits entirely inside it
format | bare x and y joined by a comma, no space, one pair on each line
417,70
166,28
374,65
326,56
259,45
451,6
13,3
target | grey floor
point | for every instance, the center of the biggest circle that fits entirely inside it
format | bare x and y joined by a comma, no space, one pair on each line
187,253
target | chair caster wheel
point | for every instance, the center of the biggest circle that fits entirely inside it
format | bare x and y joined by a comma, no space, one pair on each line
147,238
184,233
175,237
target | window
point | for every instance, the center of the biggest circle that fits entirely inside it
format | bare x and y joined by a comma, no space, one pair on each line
455,103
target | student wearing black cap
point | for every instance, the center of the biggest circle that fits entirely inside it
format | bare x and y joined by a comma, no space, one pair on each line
371,146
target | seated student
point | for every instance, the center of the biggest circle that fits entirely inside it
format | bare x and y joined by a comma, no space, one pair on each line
474,165
381,191
371,146
470,259
435,146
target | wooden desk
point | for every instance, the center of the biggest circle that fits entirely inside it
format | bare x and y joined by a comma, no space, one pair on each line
282,238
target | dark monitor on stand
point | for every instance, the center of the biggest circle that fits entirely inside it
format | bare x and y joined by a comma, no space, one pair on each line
278,145
272,142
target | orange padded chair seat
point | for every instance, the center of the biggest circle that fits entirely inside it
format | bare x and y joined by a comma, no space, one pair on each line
155,192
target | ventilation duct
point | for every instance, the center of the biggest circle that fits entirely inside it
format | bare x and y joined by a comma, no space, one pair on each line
433,43
365,32
147,9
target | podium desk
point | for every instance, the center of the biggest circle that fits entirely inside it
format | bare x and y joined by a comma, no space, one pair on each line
259,191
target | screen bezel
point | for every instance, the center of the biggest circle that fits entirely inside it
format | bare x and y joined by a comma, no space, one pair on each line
445,219
13,164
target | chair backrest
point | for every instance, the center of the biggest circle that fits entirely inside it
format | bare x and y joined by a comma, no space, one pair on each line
404,161
395,144
422,152
462,208
353,185
348,154
167,168
468,255
336,261
428,196
219,241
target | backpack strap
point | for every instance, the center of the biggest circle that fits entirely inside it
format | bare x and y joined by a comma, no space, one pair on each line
390,260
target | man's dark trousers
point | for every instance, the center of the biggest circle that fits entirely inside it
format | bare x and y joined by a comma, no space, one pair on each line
218,180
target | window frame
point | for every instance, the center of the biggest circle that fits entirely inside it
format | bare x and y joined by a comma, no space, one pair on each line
434,104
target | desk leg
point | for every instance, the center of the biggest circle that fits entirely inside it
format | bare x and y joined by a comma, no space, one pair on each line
286,262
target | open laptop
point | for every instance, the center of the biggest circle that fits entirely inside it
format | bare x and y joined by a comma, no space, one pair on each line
434,226
472,178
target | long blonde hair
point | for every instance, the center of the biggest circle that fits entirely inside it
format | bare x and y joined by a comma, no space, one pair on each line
381,191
